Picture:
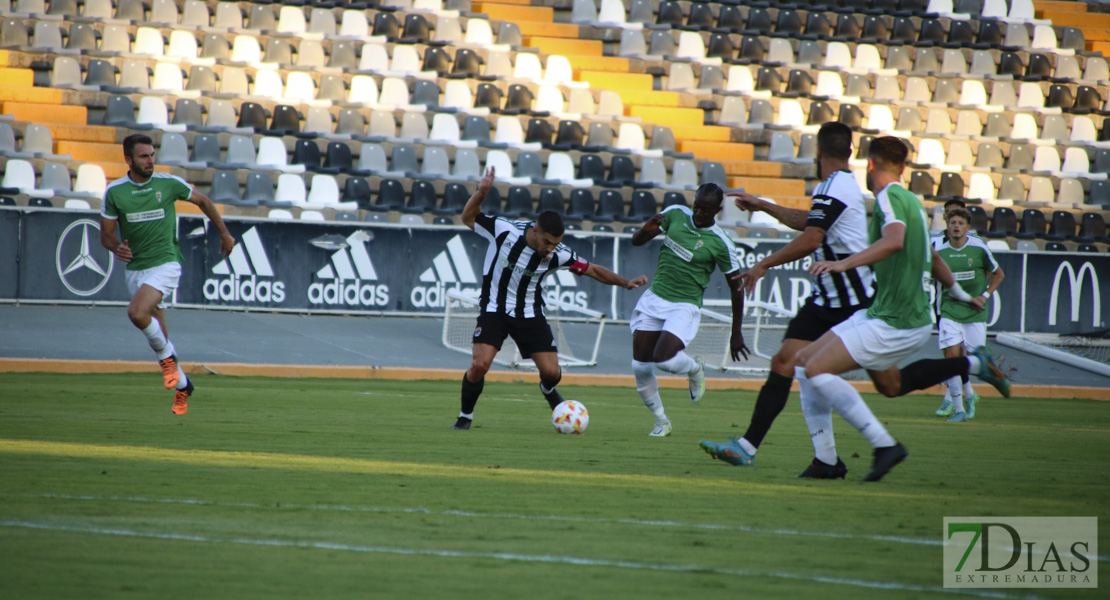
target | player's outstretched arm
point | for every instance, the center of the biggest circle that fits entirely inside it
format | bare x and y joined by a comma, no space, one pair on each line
608,277
799,247
650,229
793,218
894,236
205,204
474,204
737,347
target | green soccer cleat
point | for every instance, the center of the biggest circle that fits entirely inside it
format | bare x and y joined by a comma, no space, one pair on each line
697,381
989,371
960,417
970,404
946,408
731,452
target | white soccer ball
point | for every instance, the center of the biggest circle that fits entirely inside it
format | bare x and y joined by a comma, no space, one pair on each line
570,417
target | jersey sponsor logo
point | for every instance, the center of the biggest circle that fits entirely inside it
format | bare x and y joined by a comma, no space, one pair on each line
963,275
348,278
1075,286
245,276
450,268
146,215
84,267
679,251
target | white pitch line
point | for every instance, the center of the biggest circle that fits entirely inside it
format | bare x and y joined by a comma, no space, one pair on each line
480,515
509,556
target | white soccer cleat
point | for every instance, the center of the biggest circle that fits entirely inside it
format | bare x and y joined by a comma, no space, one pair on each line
661,429
697,381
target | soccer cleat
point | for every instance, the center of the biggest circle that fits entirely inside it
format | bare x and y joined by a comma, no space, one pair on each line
970,404
989,371
661,429
170,376
181,399
821,470
946,408
731,452
885,459
462,423
697,381
960,417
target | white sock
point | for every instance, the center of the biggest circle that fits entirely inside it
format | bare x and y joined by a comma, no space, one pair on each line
680,364
466,416
162,347
973,364
955,392
847,403
818,416
183,382
648,388
968,392
747,446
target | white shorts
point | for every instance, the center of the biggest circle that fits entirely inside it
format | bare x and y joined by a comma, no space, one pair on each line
163,278
876,346
972,335
653,313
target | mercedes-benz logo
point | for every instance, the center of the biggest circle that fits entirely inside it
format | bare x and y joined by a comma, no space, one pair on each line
83,274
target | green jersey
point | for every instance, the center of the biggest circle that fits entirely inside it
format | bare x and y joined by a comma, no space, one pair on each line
688,256
147,217
971,264
902,279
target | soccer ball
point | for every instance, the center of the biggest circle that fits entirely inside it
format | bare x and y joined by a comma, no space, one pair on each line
570,417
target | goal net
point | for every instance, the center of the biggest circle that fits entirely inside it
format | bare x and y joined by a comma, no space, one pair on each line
577,331
763,328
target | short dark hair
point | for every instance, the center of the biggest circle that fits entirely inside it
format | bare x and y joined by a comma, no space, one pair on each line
133,140
888,150
712,190
834,139
958,212
550,223
954,201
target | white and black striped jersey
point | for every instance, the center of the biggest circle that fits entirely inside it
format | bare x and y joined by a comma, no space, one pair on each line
838,208
512,273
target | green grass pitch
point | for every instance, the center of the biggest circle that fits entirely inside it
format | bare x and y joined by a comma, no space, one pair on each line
313,488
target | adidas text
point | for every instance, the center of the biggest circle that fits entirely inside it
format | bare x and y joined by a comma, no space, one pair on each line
434,296
355,293
245,289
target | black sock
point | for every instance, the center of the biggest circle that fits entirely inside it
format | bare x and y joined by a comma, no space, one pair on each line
931,371
553,397
470,393
770,402
965,378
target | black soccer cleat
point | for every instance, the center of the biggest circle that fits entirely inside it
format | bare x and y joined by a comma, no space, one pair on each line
462,423
822,470
885,459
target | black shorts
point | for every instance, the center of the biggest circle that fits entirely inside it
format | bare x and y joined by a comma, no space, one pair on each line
812,321
531,335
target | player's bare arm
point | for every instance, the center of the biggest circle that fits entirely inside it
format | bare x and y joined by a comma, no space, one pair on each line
893,238
651,228
608,277
794,218
737,347
474,204
109,240
205,204
996,280
799,247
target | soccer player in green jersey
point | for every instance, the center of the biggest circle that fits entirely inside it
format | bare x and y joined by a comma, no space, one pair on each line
141,203
667,315
898,322
961,327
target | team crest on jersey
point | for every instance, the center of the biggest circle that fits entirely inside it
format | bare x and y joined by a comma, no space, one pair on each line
477,331
699,244
543,263
158,196
969,261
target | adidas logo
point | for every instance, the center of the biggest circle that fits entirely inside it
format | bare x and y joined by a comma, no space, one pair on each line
239,273
451,267
346,273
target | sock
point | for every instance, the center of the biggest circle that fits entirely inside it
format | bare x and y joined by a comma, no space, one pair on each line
973,364
162,347
463,415
747,446
955,393
183,382
770,402
847,403
818,416
470,393
648,388
680,364
928,372
968,392
547,388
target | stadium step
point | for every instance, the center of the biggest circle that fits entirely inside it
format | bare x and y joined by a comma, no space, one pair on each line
516,13
768,186
699,133
1058,6
1083,21
669,116
37,95
563,46
90,151
751,168
611,65
16,77
717,151
82,133
644,97
45,113
620,81
545,29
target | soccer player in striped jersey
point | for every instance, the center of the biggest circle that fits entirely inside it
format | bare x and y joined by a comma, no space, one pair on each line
141,203
520,255
667,316
834,227
961,327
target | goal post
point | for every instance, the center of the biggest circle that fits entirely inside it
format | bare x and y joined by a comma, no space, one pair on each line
577,331
764,326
